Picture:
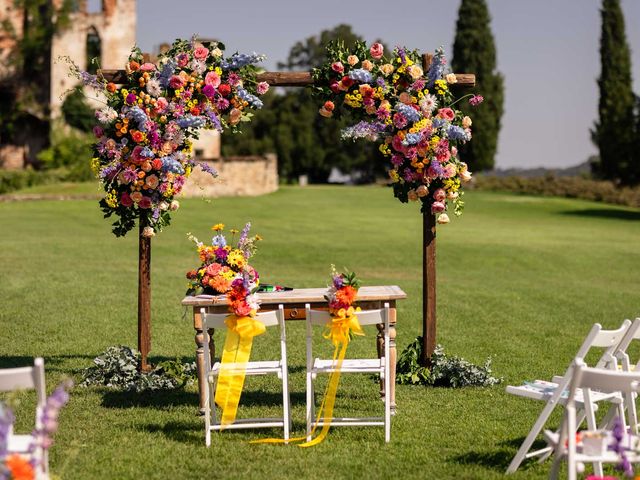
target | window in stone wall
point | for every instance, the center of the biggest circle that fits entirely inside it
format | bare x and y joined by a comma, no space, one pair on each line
94,50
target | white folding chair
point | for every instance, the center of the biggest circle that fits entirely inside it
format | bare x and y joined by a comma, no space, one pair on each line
565,443
625,363
31,378
252,368
380,366
556,392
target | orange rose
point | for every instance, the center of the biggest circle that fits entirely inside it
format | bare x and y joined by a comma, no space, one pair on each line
19,467
111,87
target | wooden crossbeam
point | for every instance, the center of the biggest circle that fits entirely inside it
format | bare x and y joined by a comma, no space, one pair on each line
281,79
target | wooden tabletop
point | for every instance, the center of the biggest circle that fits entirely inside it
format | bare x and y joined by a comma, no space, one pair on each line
301,295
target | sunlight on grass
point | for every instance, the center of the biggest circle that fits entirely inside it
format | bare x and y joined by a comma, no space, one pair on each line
520,279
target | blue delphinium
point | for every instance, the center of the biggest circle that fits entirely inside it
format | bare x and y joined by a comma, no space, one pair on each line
410,113
362,129
170,164
219,241
436,69
191,121
361,75
208,169
239,60
167,72
247,97
411,139
139,117
455,132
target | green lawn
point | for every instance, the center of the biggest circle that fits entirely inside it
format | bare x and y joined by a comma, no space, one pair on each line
520,279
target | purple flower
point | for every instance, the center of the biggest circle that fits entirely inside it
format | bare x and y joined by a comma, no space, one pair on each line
131,98
209,91
476,100
221,253
208,169
338,281
129,175
222,104
233,79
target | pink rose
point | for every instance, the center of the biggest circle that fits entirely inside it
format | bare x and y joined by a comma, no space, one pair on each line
213,79
262,88
234,116
439,195
422,191
147,67
437,207
446,113
145,202
136,197
201,53
376,51
161,104
182,59
244,309
337,67
176,82
125,199
135,155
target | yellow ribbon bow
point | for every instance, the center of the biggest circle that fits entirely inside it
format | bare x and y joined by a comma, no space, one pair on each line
233,365
338,331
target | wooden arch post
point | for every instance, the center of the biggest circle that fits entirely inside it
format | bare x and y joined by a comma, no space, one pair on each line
299,79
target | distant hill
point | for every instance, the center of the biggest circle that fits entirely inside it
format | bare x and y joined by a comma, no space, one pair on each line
581,170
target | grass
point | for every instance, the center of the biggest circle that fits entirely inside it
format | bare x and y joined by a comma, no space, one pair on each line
520,279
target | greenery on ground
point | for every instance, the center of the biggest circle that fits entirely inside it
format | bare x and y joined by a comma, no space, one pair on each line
615,131
474,51
521,279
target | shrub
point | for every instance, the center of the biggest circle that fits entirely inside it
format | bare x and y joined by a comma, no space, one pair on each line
570,187
11,180
72,152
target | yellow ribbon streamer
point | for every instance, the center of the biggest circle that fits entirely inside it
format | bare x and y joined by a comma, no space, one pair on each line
338,331
233,365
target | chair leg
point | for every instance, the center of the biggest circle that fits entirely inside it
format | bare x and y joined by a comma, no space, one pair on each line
310,400
526,444
207,416
387,408
285,404
589,412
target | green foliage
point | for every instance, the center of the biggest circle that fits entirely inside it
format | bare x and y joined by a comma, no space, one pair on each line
446,371
290,126
474,51
76,112
614,130
119,368
570,187
12,180
69,151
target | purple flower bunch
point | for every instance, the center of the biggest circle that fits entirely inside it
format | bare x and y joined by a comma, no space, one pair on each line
48,418
617,446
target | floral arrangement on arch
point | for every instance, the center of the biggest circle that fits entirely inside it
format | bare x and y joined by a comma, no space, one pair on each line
225,269
408,111
142,155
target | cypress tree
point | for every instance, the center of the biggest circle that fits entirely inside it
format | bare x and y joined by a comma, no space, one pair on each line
474,51
614,130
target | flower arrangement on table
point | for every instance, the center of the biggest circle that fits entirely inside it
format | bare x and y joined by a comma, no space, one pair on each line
341,297
224,268
143,155
408,111
20,467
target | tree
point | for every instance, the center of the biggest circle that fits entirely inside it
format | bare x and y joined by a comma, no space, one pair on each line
474,51
27,75
614,131
289,124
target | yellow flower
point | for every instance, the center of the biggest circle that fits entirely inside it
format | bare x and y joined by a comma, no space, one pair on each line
218,70
234,231
218,227
236,258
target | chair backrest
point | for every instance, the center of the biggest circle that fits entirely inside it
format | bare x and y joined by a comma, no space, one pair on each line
603,380
31,378
608,339
270,318
365,317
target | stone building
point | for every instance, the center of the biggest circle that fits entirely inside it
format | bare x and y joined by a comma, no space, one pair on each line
107,34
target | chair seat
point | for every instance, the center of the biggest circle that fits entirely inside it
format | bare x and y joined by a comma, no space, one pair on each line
543,390
19,443
251,368
609,456
359,365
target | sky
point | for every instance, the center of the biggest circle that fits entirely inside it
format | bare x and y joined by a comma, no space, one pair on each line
547,50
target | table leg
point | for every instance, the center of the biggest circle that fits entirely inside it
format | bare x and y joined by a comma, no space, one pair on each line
202,381
392,357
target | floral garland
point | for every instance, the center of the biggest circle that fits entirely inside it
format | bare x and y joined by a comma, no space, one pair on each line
408,112
142,155
16,466
225,269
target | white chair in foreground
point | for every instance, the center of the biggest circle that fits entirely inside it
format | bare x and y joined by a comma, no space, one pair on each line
556,392
380,366
565,443
279,367
31,378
